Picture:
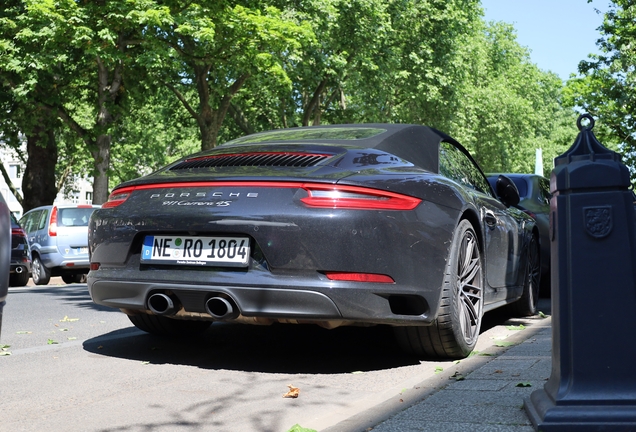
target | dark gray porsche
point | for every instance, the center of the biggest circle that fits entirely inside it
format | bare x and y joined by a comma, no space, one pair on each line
330,225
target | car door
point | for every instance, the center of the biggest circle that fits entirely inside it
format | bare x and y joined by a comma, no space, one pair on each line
499,228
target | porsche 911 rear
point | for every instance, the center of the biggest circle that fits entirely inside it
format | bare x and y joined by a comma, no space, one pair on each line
280,250
331,225
323,234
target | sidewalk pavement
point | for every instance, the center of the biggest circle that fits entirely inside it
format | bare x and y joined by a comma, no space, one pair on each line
485,393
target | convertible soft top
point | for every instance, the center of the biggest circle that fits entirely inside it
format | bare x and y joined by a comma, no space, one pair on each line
414,143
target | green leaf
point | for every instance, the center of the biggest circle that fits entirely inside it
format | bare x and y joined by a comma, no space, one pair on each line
542,315
299,428
439,369
524,384
23,332
5,353
504,344
4,346
519,327
51,342
457,377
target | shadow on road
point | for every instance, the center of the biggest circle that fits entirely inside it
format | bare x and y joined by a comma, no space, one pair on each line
279,348
75,295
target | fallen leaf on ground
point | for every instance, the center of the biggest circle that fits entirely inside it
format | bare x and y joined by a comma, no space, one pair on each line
23,332
457,376
51,342
299,428
292,393
519,327
504,344
67,319
524,384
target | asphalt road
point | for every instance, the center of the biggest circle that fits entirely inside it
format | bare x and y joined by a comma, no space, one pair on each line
71,365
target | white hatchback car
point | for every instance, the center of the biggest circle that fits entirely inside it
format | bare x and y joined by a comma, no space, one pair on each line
58,237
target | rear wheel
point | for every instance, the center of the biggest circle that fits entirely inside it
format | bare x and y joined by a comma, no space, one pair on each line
162,326
527,304
456,329
19,279
39,273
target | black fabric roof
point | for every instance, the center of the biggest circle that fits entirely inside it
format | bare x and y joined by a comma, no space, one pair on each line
414,143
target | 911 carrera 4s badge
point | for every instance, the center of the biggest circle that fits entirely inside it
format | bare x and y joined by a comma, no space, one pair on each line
598,221
197,251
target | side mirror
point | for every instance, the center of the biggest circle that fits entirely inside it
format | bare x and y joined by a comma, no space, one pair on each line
507,191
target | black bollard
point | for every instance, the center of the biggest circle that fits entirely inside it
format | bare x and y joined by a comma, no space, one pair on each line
592,386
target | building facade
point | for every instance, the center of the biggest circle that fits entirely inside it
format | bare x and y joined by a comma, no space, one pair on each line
80,192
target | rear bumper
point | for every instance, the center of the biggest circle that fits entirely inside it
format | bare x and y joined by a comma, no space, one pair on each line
55,260
343,301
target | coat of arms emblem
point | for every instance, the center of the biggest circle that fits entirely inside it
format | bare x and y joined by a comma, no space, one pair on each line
598,221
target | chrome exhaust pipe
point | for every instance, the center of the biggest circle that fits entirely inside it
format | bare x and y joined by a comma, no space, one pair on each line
221,308
161,304
19,269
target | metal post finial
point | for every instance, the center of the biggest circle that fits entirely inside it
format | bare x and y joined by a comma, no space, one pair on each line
587,116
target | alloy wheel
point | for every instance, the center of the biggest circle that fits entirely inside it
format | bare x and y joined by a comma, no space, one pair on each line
469,291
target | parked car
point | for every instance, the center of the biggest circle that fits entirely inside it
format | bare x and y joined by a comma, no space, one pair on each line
58,238
5,254
534,193
330,225
20,255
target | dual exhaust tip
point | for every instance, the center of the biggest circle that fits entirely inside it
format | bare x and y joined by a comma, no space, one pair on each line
220,308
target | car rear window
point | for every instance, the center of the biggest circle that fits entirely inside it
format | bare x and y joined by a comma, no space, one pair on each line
522,186
74,216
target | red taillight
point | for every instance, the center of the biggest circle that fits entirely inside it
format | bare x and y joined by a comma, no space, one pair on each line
356,198
359,277
53,223
18,232
118,197
319,195
95,266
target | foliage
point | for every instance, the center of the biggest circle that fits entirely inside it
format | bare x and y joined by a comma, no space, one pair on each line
509,106
126,86
606,85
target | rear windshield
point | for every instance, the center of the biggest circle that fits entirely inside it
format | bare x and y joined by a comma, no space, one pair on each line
74,216
292,134
522,186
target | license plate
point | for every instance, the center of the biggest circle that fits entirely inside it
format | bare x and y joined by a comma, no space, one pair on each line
197,251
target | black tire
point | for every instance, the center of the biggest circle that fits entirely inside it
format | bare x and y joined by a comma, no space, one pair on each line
73,278
39,273
527,303
456,330
18,279
163,326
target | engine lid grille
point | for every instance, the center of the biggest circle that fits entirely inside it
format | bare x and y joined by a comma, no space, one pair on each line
277,159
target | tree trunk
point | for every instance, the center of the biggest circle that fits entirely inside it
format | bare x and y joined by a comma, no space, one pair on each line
38,184
100,169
